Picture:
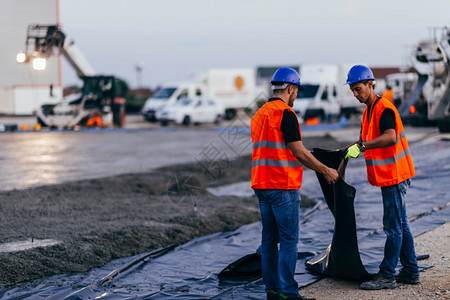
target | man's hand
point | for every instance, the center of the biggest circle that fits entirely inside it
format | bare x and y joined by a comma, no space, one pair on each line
331,175
352,152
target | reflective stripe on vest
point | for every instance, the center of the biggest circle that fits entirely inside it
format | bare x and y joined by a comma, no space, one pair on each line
276,163
269,144
387,161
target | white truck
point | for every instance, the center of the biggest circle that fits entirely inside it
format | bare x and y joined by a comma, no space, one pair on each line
234,88
325,96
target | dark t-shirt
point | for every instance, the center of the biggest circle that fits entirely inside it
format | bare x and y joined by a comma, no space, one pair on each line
289,125
387,119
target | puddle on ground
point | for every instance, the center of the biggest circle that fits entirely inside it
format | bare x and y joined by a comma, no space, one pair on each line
240,189
24,245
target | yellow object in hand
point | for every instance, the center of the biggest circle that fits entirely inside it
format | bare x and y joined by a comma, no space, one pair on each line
352,152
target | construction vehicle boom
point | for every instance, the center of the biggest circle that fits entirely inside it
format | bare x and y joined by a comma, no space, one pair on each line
102,98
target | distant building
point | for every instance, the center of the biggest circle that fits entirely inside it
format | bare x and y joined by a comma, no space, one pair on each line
23,89
380,75
381,72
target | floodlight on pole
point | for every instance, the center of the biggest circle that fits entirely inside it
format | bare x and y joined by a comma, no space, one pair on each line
21,57
39,63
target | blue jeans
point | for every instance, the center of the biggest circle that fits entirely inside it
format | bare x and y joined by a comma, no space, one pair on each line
399,240
279,216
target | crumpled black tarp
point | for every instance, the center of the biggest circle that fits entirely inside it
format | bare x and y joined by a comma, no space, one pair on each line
341,258
247,267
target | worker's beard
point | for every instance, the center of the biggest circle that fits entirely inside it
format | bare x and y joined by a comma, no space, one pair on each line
292,99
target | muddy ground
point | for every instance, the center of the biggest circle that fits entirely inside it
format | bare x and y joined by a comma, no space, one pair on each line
104,219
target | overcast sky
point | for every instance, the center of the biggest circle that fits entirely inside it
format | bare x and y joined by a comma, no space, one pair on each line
174,40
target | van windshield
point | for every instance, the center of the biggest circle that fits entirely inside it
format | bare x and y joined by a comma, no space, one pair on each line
310,91
164,93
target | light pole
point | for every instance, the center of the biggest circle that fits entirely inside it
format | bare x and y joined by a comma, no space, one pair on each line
139,68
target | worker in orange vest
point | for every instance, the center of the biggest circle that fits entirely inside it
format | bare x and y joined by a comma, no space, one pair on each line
388,94
278,158
389,166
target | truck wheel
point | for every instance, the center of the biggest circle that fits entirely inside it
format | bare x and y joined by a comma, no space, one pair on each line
230,114
40,122
186,121
416,121
315,113
150,119
322,116
444,126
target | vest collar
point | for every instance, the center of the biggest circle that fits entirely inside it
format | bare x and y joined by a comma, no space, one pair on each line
372,106
274,99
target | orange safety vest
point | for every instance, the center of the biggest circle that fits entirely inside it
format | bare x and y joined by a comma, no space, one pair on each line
273,164
388,165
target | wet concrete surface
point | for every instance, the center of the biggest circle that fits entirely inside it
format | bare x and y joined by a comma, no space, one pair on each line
31,159
48,157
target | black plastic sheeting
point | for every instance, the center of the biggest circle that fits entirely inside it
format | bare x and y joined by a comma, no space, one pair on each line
341,258
190,271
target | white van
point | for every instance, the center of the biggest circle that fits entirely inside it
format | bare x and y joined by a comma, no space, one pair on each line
191,110
168,95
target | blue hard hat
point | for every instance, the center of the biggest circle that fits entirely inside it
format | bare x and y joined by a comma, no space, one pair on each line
359,73
286,75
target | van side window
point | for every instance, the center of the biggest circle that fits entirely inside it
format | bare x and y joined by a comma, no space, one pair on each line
324,96
183,94
198,92
334,91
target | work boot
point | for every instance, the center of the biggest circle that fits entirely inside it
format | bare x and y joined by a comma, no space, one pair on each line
378,283
404,277
271,295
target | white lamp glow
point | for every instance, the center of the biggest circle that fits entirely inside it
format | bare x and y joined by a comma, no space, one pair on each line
21,57
39,63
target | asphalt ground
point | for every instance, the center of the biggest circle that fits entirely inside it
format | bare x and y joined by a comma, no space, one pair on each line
33,158
92,196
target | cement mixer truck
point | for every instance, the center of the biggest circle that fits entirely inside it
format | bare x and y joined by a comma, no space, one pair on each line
431,97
